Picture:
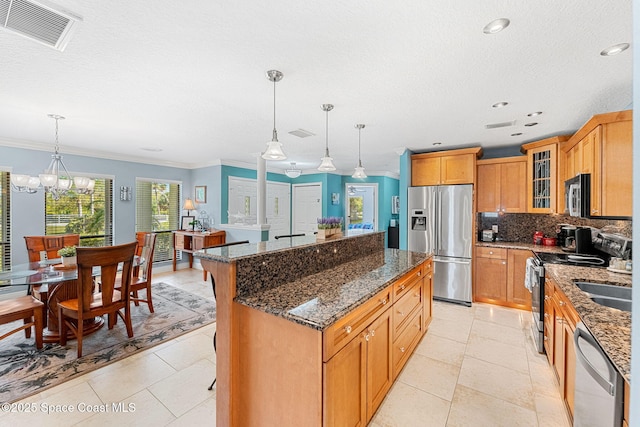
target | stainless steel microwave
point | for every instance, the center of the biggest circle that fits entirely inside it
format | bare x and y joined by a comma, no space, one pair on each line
577,193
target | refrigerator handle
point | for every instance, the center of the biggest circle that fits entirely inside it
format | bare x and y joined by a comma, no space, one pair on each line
451,262
438,221
582,359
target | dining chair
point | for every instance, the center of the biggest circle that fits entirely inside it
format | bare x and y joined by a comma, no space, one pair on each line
141,280
110,301
25,308
49,244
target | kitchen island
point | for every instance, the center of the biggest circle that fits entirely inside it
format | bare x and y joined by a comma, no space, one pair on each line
314,333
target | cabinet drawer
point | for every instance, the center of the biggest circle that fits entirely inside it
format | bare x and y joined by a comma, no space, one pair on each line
403,346
497,253
403,309
179,242
402,285
427,266
197,243
343,330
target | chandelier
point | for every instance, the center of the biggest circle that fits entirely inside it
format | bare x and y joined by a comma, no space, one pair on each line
293,172
274,147
326,164
359,172
56,180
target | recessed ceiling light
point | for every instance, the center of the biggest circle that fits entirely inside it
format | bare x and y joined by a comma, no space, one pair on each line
615,49
155,150
516,134
496,26
537,113
531,124
437,143
500,104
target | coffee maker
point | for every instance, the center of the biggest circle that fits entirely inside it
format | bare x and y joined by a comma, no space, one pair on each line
566,237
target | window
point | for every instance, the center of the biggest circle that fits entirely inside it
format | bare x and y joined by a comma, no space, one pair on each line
89,215
5,221
158,211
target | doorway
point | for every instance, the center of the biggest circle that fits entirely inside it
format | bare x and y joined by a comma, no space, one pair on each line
361,208
307,207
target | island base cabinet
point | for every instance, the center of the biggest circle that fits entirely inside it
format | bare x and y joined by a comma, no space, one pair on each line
405,343
359,376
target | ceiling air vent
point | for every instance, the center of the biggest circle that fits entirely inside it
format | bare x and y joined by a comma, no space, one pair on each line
301,133
41,21
500,125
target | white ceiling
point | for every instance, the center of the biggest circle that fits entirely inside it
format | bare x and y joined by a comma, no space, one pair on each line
189,77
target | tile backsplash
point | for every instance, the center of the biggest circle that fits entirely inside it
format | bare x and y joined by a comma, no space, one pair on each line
520,227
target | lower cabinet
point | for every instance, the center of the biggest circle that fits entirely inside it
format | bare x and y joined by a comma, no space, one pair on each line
359,376
563,352
499,277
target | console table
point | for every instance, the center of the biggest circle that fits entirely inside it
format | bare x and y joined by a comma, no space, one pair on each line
193,241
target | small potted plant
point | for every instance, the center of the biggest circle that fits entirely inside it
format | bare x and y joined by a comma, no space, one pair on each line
329,227
68,255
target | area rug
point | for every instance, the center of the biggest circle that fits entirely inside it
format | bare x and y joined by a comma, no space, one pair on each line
24,370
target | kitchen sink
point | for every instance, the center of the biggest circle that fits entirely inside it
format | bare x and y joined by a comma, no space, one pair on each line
604,290
619,303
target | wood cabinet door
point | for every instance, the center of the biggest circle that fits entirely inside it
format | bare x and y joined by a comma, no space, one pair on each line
379,363
491,278
513,187
345,386
569,353
558,343
586,150
616,183
517,294
488,188
458,169
425,171
427,301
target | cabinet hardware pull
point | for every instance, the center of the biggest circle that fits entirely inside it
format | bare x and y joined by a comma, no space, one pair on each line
348,329
401,349
402,287
373,332
490,252
401,313
504,262
366,337
561,303
383,301
419,273
417,295
546,297
546,338
546,315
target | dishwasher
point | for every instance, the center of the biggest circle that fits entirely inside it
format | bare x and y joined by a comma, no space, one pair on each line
598,385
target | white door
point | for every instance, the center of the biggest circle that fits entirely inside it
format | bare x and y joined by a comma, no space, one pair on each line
361,206
243,198
307,207
278,208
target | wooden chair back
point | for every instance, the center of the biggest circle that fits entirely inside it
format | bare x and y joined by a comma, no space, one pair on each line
108,258
49,244
146,252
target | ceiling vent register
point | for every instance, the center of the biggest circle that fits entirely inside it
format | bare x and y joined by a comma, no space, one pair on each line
41,21
500,125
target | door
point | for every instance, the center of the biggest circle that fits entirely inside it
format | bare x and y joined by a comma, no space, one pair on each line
422,219
455,214
362,205
243,195
307,207
379,363
278,209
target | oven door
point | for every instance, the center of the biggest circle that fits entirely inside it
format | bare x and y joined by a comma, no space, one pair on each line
536,278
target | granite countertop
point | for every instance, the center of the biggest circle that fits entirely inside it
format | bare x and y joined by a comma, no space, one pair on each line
610,327
521,245
318,300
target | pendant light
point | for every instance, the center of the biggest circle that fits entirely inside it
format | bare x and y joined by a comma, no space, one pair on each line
274,147
359,173
327,162
56,180
293,172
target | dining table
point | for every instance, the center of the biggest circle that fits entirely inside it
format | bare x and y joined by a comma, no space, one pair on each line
50,282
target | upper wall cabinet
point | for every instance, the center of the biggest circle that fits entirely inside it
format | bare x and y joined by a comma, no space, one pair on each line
444,167
603,147
542,175
501,185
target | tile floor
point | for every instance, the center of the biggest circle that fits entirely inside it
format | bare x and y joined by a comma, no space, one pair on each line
475,367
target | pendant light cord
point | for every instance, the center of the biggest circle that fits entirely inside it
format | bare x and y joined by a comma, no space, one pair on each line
56,147
359,157
327,136
275,133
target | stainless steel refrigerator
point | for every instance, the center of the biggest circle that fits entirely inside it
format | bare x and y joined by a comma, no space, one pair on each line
440,220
